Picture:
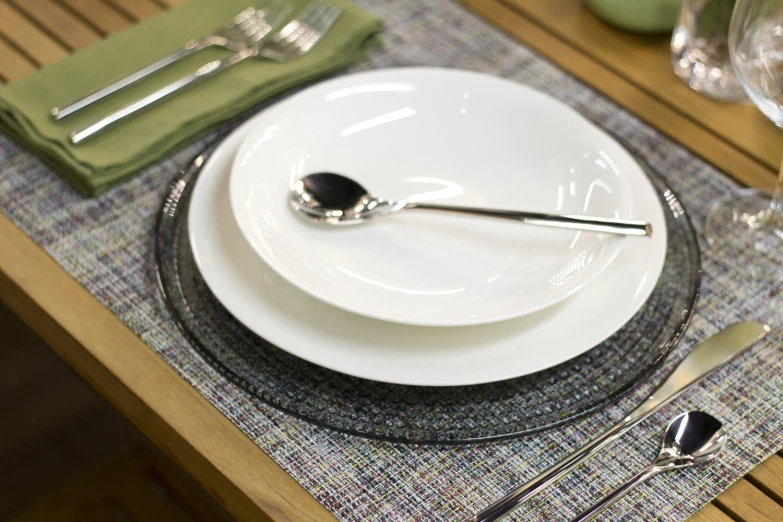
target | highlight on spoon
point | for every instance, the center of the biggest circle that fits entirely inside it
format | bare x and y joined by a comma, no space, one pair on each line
691,438
326,197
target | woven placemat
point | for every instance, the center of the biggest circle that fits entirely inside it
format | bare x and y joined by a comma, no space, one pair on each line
106,244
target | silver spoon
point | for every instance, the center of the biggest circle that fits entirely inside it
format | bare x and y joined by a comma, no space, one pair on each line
690,439
339,200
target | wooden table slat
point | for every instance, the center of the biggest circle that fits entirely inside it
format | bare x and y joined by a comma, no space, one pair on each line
710,513
174,3
137,9
645,61
746,503
25,35
13,65
101,15
768,477
59,23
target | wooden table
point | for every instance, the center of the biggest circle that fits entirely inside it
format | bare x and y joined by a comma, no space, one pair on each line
632,70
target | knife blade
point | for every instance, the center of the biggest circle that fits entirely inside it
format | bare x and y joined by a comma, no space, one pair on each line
706,357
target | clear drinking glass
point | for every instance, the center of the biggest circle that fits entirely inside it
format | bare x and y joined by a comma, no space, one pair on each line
700,49
747,229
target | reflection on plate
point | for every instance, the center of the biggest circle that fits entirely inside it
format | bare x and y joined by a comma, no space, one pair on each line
435,134
383,351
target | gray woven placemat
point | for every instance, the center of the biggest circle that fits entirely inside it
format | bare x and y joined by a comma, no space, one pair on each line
106,244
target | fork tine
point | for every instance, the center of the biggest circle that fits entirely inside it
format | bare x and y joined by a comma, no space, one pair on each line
284,12
325,24
249,28
301,34
256,27
298,25
271,11
274,6
313,18
315,29
305,29
271,22
248,17
257,15
241,17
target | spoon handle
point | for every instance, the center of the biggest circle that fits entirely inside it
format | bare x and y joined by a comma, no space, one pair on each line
593,511
592,224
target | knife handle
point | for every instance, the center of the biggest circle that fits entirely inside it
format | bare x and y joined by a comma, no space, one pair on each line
206,71
549,477
58,113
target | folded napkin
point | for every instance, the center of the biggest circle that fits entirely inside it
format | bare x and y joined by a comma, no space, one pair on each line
121,151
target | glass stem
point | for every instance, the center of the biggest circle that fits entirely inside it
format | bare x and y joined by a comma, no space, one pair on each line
776,205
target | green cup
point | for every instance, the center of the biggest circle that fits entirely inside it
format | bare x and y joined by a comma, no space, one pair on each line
638,16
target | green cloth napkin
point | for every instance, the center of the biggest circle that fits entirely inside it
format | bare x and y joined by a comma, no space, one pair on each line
123,150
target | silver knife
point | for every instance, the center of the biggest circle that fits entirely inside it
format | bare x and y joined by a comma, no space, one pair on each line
706,357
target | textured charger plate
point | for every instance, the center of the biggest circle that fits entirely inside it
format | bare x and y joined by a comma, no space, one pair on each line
423,414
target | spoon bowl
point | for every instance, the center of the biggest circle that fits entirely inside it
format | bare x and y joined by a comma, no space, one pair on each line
327,192
690,439
338,200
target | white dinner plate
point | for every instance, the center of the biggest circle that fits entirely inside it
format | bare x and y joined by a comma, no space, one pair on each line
453,136
415,355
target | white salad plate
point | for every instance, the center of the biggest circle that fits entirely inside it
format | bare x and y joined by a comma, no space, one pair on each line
453,136
413,355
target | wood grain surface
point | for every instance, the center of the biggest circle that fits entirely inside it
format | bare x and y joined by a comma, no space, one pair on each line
632,70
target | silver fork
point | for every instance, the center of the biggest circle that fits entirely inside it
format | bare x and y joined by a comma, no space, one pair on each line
297,38
246,29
